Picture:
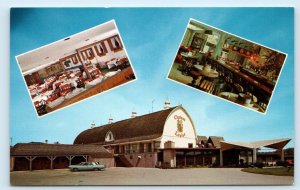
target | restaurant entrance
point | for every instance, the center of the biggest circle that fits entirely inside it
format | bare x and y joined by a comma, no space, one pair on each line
197,157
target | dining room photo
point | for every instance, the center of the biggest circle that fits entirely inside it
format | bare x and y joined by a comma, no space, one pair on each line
227,66
75,68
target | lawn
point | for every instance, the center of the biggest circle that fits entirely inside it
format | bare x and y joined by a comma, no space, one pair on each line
271,171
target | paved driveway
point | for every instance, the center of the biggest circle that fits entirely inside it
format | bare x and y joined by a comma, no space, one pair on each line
148,176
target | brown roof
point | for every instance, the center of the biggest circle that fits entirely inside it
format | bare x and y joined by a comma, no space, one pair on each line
145,127
43,149
215,140
201,138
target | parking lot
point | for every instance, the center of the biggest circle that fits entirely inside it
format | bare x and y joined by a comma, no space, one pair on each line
147,176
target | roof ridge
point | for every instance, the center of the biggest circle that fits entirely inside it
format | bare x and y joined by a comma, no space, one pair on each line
134,117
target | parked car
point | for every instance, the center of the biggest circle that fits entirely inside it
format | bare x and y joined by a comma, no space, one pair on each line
87,166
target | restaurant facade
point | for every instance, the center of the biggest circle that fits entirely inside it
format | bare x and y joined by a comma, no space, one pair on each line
163,139
168,138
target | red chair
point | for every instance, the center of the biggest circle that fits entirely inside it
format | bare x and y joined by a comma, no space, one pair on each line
52,97
65,89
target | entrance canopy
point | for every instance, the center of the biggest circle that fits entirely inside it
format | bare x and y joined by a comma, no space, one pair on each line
275,144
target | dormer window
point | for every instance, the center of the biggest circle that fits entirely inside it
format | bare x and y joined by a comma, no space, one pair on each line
109,137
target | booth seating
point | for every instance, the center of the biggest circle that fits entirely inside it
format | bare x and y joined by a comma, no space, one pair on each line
95,73
65,89
52,97
56,102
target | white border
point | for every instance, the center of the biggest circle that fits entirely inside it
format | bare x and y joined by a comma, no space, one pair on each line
5,75
131,65
286,56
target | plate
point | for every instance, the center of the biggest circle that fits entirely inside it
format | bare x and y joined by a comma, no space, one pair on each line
229,95
251,106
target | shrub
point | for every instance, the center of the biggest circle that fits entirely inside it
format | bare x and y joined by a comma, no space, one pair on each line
259,165
281,163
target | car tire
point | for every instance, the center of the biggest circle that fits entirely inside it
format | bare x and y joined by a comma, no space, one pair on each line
96,169
75,170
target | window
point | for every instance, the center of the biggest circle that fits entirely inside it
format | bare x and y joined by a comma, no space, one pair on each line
149,147
133,148
109,137
127,148
141,147
157,145
100,49
115,43
67,63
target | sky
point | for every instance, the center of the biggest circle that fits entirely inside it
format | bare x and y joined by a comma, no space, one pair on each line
151,37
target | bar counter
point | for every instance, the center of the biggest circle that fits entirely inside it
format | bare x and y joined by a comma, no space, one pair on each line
244,76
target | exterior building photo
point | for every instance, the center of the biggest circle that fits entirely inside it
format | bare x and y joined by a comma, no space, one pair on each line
75,68
164,139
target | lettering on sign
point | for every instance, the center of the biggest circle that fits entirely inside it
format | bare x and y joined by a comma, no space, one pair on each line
180,120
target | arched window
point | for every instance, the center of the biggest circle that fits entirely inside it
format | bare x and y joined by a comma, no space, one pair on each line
109,136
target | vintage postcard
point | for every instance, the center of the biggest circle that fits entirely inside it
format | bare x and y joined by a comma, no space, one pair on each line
227,66
153,131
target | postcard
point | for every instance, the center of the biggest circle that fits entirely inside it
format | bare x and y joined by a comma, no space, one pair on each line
153,131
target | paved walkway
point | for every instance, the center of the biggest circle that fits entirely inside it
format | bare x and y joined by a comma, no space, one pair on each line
148,176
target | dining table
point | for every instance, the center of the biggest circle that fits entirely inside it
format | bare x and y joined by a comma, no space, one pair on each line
40,98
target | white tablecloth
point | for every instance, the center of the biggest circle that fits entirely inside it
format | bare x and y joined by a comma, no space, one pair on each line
112,64
112,73
40,98
56,102
94,82
75,92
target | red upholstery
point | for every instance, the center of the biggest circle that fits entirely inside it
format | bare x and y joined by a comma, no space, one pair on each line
87,81
52,98
65,89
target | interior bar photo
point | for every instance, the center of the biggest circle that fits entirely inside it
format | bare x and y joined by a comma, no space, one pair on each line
227,66
75,68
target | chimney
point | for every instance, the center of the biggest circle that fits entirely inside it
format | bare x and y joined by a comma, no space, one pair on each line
46,141
167,104
133,114
110,120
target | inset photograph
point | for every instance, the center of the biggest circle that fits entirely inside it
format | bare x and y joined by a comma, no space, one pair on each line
227,66
75,68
